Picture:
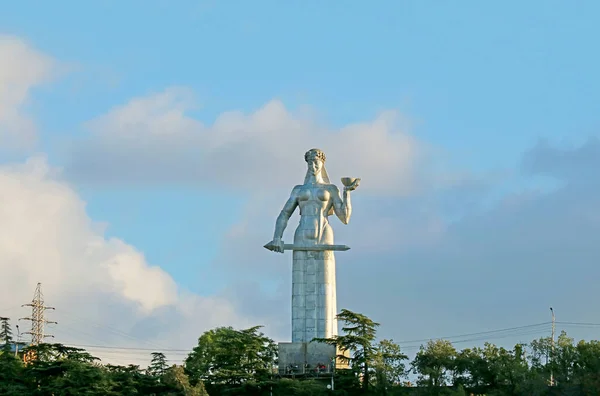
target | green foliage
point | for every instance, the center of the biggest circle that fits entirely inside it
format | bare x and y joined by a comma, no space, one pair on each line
129,380
359,340
300,388
176,378
62,370
435,363
158,364
490,367
587,366
11,382
239,362
5,332
388,365
233,357
563,359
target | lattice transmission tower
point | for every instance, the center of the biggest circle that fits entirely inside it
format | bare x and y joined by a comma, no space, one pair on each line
37,317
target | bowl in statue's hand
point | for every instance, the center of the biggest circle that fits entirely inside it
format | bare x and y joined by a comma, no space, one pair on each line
348,181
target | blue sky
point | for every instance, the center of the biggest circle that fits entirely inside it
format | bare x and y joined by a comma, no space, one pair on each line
478,84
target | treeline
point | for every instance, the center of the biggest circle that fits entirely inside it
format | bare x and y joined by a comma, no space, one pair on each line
227,361
57,370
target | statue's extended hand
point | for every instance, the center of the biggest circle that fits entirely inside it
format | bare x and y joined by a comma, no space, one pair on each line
352,186
276,245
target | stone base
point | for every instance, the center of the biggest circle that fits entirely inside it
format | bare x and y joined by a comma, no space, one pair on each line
306,357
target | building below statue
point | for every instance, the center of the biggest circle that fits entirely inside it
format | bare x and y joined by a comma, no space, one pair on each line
297,358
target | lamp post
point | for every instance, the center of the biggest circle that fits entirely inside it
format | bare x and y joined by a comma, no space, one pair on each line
552,351
332,372
17,343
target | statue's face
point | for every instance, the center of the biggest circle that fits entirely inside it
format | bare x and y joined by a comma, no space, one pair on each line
314,166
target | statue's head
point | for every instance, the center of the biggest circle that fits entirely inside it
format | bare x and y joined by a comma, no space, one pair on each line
315,160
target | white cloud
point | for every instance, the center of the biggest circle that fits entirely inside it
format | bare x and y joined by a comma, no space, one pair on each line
22,69
46,236
151,139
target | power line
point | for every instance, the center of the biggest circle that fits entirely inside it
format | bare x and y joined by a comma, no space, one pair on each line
100,344
110,329
131,348
530,332
476,334
484,335
578,324
77,332
499,336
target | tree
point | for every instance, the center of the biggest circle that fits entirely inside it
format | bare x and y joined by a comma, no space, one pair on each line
5,332
506,369
360,332
64,370
158,364
587,367
130,380
11,378
5,337
288,387
471,368
176,378
232,357
435,363
564,359
540,354
388,364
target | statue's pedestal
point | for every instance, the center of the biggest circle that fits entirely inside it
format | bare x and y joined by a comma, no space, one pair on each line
297,358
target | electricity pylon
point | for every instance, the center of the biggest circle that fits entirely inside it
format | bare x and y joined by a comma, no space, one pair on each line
37,317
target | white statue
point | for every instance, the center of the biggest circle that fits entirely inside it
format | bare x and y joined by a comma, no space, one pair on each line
313,278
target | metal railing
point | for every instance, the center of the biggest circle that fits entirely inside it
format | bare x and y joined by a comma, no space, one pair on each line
306,369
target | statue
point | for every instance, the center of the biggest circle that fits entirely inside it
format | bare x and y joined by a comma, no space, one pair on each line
313,278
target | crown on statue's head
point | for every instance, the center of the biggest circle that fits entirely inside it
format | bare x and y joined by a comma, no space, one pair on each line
314,153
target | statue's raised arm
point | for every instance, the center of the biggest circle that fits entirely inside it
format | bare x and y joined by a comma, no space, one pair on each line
342,205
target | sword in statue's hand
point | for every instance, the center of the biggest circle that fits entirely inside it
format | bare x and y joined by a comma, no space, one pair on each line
275,247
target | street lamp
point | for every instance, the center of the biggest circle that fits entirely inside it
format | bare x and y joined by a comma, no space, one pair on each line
552,352
332,373
17,343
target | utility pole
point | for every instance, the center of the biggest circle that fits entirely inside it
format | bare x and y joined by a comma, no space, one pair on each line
37,317
552,352
17,343
333,371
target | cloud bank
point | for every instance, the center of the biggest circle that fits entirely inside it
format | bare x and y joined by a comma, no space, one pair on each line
46,236
22,69
153,140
